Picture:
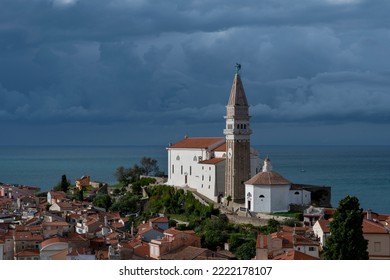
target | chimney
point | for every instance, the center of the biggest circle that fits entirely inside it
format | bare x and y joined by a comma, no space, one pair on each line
369,214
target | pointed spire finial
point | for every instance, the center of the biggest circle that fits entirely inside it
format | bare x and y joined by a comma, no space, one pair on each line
238,68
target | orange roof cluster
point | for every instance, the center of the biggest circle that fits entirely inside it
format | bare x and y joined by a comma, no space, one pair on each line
197,143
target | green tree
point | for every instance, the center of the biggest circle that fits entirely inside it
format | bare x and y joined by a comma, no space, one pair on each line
103,201
346,241
122,175
127,204
63,185
247,250
149,166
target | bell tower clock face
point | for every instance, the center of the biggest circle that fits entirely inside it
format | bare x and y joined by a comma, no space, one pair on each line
230,153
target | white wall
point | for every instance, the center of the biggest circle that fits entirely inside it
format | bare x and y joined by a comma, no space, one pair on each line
259,204
181,162
276,198
300,197
280,201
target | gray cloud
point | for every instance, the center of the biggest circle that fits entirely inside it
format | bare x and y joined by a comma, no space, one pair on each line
160,63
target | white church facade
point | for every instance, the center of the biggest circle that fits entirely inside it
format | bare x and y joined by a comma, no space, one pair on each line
199,163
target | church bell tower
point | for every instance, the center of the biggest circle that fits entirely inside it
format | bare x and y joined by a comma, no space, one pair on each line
237,133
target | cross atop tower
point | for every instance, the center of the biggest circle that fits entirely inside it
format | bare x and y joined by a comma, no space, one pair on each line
238,68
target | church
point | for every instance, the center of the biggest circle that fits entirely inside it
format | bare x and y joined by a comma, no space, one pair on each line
226,169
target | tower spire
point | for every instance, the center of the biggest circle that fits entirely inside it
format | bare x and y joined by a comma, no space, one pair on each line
237,133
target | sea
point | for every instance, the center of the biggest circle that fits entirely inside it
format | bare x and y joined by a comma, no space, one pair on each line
361,171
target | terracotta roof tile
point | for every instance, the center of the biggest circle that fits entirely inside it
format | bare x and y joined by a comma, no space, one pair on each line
370,227
212,161
267,178
197,143
294,255
221,148
159,220
187,253
325,225
28,253
53,240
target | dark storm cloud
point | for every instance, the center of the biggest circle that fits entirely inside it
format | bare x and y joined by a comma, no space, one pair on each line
172,62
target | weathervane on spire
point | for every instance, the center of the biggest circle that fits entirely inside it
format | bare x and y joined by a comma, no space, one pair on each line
238,68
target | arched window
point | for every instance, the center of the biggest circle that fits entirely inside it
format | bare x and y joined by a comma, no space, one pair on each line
261,196
296,193
195,158
178,157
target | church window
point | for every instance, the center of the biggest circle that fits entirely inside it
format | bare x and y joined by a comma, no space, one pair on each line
173,168
190,170
209,178
209,167
244,126
209,186
202,177
195,158
181,170
238,126
202,167
261,196
202,186
296,193
178,157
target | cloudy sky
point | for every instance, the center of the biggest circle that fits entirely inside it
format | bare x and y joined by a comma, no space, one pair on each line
123,72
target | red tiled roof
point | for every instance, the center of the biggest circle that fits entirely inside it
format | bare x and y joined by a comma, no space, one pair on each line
56,195
325,225
55,224
159,220
28,253
221,148
53,240
186,253
294,255
370,227
142,250
27,236
197,143
212,161
268,178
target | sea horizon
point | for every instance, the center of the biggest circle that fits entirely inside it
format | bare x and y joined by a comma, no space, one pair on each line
360,170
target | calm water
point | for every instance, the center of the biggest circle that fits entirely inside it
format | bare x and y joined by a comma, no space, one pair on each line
363,171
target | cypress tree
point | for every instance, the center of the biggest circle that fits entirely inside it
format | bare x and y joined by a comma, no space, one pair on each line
346,241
